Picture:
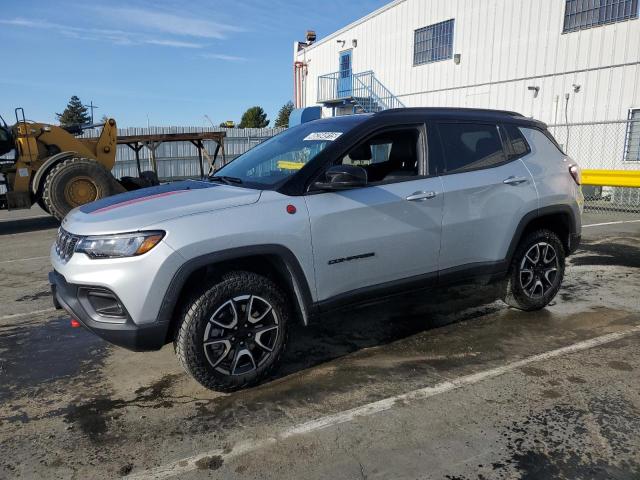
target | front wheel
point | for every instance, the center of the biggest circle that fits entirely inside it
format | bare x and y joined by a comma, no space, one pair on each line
536,271
233,334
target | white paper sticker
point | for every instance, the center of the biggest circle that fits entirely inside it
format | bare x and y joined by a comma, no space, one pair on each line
23,172
322,136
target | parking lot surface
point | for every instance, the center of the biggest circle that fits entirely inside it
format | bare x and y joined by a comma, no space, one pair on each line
452,384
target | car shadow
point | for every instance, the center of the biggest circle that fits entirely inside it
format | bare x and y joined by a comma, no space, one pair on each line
335,335
9,227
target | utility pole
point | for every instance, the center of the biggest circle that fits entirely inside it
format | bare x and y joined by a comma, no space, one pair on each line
91,107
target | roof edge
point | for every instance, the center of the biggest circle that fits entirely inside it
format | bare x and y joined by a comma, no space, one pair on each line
335,34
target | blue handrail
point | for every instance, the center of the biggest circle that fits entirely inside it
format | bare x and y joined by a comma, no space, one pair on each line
376,96
366,91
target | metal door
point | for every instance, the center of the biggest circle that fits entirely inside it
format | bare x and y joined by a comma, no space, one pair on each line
345,75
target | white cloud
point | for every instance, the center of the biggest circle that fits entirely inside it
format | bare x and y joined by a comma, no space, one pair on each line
169,23
222,56
117,37
173,43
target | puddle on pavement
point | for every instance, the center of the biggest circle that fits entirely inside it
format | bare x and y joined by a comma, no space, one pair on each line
34,355
619,251
35,296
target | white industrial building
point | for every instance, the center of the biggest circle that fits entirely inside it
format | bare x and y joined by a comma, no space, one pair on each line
555,60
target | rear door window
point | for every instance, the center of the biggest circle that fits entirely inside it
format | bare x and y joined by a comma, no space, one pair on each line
470,146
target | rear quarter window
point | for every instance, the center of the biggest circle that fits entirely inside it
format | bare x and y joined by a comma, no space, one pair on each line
541,142
515,142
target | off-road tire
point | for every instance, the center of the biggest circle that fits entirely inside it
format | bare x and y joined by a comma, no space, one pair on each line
54,197
516,296
196,314
42,205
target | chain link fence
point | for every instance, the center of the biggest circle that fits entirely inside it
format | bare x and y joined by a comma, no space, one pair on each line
611,145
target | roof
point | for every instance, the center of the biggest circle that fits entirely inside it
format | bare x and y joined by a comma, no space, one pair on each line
346,28
463,114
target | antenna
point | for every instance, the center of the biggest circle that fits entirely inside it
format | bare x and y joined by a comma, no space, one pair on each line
91,107
207,117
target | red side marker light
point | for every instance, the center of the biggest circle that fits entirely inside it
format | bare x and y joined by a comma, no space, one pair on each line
74,323
291,209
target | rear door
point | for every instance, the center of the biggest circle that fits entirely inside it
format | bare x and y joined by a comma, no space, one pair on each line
487,190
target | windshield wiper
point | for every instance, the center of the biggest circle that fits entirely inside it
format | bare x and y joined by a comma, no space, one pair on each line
226,180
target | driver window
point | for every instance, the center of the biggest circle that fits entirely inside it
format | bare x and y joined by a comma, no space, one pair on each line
389,156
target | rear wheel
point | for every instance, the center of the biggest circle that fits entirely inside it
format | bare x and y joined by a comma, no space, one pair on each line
233,334
536,272
74,182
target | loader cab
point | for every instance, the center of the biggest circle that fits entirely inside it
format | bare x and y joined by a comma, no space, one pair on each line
6,140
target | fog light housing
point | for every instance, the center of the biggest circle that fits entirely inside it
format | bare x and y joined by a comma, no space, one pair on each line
102,305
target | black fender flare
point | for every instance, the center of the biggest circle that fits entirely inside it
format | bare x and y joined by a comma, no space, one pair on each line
39,176
299,282
538,213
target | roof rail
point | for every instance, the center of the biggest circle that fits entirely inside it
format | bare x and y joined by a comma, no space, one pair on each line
452,110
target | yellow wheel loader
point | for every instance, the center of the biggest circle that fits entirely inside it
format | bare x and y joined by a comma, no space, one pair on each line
60,171
54,168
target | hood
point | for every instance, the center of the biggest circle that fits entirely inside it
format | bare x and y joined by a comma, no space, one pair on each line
132,211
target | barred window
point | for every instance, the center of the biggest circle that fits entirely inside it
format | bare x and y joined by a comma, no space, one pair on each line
632,152
433,43
581,14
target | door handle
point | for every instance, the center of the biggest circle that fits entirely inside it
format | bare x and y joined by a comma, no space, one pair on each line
515,180
420,196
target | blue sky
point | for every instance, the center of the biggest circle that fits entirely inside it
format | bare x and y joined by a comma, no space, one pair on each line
174,61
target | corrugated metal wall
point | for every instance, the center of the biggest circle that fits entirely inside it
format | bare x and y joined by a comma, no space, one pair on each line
506,46
180,159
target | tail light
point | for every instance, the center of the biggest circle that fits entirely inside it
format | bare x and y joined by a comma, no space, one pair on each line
575,172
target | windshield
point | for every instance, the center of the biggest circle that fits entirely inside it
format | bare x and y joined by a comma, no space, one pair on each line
274,161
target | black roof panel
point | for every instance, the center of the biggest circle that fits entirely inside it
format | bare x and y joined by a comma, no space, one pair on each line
460,114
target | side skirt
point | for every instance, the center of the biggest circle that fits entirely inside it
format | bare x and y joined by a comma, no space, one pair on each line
483,273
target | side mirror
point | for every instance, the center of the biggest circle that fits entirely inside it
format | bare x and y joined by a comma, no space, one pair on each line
342,177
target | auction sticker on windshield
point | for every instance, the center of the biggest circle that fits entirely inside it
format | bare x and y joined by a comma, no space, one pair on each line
322,136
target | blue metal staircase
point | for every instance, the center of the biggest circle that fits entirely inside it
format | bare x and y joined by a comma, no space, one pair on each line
361,90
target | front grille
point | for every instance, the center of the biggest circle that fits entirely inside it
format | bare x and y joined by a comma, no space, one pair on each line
66,244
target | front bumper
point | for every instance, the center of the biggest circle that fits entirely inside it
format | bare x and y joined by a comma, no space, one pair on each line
121,331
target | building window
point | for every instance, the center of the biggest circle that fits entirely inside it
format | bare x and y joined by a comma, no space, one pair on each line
632,150
581,14
433,43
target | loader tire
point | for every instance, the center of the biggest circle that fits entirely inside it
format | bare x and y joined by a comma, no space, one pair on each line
74,182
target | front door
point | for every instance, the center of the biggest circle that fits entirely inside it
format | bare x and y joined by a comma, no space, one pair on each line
344,75
386,232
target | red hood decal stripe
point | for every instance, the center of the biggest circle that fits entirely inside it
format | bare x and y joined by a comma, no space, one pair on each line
137,200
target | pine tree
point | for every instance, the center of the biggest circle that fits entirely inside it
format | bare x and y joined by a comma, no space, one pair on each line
74,114
282,121
254,117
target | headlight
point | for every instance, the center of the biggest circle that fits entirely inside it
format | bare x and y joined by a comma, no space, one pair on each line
117,246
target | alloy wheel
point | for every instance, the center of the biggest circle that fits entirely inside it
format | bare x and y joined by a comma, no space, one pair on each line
241,335
539,269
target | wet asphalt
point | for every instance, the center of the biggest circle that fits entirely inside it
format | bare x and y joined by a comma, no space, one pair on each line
72,406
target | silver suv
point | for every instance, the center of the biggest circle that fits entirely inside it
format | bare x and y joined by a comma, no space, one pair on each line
327,214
